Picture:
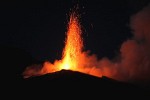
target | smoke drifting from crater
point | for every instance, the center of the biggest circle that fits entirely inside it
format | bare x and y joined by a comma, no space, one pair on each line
134,62
131,65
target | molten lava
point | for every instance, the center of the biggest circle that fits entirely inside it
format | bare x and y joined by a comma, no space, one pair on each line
73,46
72,57
131,64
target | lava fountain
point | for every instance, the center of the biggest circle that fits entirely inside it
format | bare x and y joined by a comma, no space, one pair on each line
73,45
132,64
73,58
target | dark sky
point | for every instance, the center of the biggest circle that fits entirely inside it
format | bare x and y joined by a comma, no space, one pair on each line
39,27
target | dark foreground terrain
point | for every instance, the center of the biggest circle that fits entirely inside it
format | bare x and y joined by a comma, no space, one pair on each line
64,84
71,84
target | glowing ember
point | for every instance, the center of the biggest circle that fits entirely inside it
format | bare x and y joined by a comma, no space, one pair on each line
72,57
74,44
132,64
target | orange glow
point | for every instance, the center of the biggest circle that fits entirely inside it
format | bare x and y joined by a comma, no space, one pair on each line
72,57
73,46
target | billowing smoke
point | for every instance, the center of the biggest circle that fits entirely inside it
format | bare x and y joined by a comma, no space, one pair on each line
131,65
134,62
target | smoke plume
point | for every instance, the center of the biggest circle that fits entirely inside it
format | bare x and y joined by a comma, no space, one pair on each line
132,65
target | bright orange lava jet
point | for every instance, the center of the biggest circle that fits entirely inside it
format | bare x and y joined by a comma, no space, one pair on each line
74,44
72,57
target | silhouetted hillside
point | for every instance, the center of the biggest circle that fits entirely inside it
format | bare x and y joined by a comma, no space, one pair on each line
67,81
62,84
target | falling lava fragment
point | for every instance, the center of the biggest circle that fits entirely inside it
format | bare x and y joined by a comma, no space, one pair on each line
73,58
74,44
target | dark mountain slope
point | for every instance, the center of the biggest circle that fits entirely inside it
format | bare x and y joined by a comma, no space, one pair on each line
73,82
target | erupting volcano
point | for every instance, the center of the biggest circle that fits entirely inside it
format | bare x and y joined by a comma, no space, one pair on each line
72,57
130,65
74,44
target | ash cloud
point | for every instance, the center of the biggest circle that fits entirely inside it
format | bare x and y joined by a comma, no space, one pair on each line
134,62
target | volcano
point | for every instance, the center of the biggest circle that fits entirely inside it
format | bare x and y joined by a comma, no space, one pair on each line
77,72
74,82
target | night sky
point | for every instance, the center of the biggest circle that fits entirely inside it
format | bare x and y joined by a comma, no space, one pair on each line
39,27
